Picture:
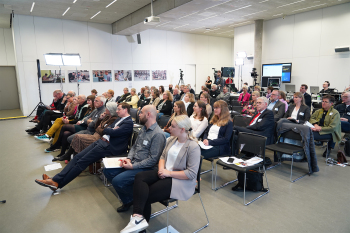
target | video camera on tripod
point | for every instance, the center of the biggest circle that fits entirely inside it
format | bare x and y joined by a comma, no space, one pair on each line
181,81
254,75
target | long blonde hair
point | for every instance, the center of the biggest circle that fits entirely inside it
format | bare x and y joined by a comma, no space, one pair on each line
183,121
224,115
301,96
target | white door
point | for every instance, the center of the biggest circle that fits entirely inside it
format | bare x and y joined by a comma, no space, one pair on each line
190,76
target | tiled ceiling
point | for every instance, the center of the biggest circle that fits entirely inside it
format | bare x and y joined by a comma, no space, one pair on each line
206,17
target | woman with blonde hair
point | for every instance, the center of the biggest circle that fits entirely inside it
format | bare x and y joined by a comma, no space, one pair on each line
219,132
179,109
110,96
199,119
165,105
175,178
298,111
189,101
205,97
132,99
250,109
155,97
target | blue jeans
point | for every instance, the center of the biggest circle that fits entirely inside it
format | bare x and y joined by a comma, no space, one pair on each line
123,181
318,136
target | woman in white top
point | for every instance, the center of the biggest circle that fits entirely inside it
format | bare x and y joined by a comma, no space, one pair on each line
161,91
298,111
199,119
176,176
205,97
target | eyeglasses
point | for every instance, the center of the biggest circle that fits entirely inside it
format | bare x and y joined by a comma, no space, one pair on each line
259,102
325,102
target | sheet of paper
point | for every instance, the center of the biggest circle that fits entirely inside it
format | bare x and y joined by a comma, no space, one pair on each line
201,144
242,163
112,162
56,111
309,124
52,167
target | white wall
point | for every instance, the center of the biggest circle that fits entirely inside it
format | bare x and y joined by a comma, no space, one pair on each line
7,52
99,49
308,41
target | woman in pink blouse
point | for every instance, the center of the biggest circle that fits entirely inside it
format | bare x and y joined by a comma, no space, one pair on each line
244,96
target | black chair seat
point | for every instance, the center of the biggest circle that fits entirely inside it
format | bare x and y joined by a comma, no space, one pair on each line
285,148
167,201
239,169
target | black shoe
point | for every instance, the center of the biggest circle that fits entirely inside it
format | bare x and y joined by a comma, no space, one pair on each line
56,158
64,157
124,207
50,149
327,153
318,143
32,130
33,133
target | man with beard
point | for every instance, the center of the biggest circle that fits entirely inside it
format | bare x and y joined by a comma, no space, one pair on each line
143,156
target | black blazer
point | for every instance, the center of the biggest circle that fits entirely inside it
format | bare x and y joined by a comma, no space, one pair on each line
119,138
176,98
167,107
303,113
264,125
223,140
143,102
123,97
190,109
278,110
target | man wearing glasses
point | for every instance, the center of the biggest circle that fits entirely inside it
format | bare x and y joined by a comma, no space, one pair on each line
344,111
326,122
262,123
276,106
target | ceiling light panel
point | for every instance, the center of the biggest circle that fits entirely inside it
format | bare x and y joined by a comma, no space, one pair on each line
291,3
309,7
238,9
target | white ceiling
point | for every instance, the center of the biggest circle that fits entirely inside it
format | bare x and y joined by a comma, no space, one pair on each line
206,17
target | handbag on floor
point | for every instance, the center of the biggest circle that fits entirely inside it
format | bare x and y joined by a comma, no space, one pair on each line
254,181
347,148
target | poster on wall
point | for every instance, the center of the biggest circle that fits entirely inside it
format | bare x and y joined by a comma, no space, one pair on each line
141,75
52,76
158,74
102,75
81,76
122,75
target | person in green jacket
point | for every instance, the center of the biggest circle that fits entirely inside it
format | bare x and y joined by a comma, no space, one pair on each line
326,122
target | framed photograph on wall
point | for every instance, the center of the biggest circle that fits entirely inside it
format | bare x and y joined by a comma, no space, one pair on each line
102,75
52,76
122,75
141,75
158,74
81,76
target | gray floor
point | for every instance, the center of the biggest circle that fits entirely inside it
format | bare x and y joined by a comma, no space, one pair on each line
319,203
11,113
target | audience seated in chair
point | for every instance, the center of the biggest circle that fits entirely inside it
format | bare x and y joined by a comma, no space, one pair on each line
224,95
165,105
326,122
132,99
344,111
219,132
113,143
244,96
307,97
189,102
250,108
214,92
175,177
143,156
80,141
155,97
145,101
298,111
176,95
262,123
205,97
179,109
276,106
110,96
199,119
123,97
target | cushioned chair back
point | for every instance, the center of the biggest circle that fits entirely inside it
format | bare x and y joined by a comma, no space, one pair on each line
251,143
163,121
242,121
133,113
235,103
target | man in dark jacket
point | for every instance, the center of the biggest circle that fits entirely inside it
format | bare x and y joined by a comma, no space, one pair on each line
344,111
176,95
113,143
262,123
277,107
124,96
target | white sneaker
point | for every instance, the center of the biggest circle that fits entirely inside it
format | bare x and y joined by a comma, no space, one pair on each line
136,224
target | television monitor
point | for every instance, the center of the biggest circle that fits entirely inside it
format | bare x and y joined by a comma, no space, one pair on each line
274,82
284,70
264,81
228,72
314,89
290,88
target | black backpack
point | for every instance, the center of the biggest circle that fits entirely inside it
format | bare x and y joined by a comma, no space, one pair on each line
254,181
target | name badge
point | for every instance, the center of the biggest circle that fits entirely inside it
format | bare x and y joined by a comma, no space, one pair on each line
276,109
331,113
259,120
96,116
145,142
301,114
348,113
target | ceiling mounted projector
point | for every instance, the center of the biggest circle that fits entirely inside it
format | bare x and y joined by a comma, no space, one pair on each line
152,20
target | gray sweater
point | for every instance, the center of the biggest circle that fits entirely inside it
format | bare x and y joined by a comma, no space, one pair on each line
94,117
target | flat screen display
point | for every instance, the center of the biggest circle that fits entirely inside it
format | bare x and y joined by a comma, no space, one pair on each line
283,70
228,72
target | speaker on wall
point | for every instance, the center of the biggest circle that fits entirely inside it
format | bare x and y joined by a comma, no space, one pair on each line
138,38
38,67
341,49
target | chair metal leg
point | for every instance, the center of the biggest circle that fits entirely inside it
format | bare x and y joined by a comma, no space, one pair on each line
167,218
291,173
165,210
223,185
268,189
205,216
327,156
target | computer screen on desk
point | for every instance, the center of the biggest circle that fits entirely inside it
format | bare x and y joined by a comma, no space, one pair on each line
314,89
274,82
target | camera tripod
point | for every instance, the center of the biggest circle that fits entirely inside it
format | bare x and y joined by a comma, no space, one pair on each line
181,81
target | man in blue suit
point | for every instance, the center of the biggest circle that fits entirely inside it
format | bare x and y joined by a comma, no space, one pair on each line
114,142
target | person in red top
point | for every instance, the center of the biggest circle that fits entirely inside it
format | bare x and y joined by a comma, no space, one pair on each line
244,96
